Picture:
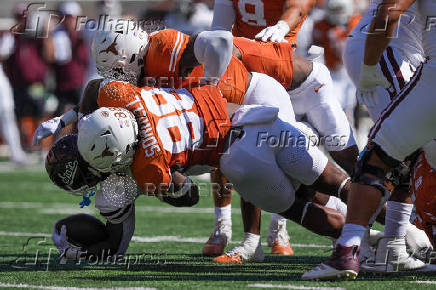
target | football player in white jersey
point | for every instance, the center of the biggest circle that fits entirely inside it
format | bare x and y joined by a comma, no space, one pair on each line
404,126
397,64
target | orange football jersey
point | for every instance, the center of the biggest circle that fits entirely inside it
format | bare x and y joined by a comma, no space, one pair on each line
252,16
162,67
177,128
423,188
333,38
270,58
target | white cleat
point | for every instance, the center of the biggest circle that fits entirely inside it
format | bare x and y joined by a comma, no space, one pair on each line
278,239
418,242
325,272
219,239
242,253
391,256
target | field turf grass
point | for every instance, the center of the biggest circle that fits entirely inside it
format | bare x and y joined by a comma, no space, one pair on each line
29,204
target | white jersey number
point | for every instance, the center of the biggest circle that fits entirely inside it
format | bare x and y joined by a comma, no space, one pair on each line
178,132
258,17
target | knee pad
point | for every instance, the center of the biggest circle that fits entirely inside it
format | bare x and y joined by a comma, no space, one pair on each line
363,168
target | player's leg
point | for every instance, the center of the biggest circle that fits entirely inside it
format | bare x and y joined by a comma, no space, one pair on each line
250,248
9,128
397,134
222,232
265,90
314,98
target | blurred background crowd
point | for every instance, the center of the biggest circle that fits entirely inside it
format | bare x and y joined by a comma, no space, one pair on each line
45,62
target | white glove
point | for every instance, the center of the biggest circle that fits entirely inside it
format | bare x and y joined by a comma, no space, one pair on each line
46,129
370,78
274,33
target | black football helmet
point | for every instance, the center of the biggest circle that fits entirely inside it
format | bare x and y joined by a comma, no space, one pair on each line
67,169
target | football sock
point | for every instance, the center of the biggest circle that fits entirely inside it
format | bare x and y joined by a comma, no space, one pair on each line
397,218
223,213
276,218
251,240
337,204
352,235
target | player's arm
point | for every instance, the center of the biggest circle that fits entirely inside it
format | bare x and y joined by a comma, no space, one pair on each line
293,13
223,15
183,192
83,236
211,48
383,27
86,106
381,30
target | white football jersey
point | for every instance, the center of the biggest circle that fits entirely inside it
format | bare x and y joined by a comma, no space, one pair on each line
408,36
427,9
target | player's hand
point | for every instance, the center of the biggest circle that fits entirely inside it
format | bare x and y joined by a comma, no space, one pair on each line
46,129
274,33
370,78
60,239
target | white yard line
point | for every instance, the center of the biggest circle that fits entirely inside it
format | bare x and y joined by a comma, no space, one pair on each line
158,239
426,282
289,286
6,285
59,208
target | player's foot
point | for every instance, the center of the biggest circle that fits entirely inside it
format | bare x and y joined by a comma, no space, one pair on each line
418,242
219,239
391,256
278,239
342,265
242,253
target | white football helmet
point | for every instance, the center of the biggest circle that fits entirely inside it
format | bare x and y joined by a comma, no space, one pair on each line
108,138
338,12
120,54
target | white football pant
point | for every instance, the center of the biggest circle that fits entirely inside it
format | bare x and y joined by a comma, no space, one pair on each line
269,162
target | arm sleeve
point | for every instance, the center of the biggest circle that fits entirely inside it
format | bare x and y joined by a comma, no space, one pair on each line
223,15
214,50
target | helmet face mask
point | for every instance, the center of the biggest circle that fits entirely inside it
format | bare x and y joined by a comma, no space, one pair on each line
67,169
108,138
120,54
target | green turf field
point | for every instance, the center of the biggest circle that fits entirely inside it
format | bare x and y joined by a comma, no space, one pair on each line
166,252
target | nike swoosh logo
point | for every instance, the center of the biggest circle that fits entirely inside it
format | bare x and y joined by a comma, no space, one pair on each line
317,89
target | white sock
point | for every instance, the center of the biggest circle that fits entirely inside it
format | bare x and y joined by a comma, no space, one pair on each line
223,213
351,235
397,218
337,204
251,240
276,218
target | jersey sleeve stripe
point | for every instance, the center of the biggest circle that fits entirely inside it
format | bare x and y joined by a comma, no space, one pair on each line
110,213
178,51
126,209
173,52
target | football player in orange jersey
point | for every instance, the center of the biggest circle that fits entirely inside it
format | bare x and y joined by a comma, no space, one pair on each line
172,48
174,137
266,20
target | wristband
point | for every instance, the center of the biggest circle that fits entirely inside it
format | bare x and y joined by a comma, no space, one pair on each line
342,186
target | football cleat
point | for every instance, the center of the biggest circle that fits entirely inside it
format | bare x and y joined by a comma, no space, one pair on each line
342,265
219,239
278,239
391,256
417,241
242,253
